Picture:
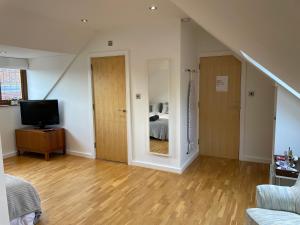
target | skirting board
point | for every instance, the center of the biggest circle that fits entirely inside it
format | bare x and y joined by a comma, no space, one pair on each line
81,154
156,166
9,154
255,159
189,161
171,169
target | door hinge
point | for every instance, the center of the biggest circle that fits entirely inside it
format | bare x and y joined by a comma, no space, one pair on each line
94,106
92,67
95,145
198,141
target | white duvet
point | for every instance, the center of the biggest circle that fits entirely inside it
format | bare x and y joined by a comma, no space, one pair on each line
161,115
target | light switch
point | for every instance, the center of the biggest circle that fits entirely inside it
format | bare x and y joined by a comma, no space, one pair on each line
251,93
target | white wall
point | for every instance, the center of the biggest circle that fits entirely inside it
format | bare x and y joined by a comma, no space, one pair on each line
258,111
3,199
48,69
259,116
10,119
287,130
189,60
183,44
206,43
74,90
42,74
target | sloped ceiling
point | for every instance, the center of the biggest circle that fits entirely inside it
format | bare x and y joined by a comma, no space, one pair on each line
30,30
55,25
268,30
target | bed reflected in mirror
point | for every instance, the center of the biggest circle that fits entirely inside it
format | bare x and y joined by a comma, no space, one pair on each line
159,76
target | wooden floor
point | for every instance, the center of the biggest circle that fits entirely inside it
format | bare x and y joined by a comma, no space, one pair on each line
81,191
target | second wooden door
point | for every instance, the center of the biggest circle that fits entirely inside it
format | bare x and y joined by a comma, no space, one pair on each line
110,107
220,88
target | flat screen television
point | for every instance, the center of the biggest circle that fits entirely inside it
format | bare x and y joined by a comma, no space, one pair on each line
39,113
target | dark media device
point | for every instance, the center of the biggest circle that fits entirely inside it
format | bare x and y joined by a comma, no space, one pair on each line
39,113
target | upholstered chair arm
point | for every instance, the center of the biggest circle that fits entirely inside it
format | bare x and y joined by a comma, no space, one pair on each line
296,190
276,198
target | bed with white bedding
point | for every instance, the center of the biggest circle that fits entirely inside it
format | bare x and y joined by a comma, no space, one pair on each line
24,204
159,129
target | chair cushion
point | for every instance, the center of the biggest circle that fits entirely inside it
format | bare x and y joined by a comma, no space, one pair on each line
257,216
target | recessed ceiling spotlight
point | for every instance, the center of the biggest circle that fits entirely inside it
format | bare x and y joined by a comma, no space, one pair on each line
153,7
84,20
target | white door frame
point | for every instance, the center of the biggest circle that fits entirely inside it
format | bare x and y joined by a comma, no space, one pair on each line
128,96
243,97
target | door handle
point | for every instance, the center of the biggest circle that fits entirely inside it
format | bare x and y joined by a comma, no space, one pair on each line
122,110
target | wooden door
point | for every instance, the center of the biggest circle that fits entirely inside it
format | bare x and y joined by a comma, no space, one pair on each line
220,106
110,107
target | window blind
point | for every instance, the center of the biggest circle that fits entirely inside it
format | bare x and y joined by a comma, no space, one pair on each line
13,63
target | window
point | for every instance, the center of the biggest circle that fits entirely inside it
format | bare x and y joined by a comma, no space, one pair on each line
13,85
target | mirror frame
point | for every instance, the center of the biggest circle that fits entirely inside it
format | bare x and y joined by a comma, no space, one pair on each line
170,107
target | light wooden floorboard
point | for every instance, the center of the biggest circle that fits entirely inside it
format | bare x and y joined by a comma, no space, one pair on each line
80,191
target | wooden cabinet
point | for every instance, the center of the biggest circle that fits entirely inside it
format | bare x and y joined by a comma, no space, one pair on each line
42,141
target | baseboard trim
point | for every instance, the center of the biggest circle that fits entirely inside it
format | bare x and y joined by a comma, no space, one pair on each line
171,169
189,161
9,154
255,159
156,166
81,154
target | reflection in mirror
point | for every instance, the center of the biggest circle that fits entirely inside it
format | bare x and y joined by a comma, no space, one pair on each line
159,73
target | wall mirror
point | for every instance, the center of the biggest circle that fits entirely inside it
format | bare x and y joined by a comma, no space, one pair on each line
159,79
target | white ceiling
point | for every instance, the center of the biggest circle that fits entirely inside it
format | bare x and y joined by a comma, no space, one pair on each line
268,30
54,25
100,13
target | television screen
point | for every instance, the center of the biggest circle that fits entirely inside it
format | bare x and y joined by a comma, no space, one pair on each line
39,112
